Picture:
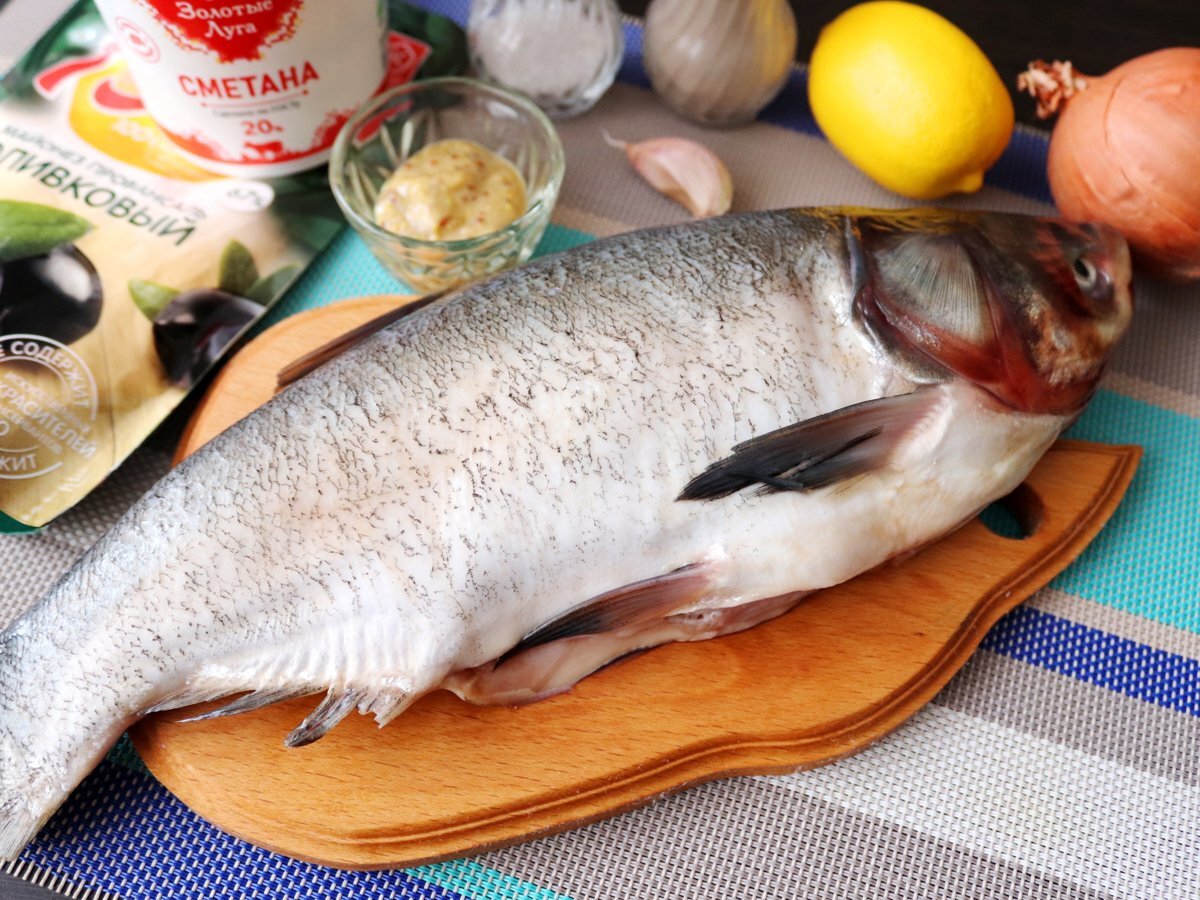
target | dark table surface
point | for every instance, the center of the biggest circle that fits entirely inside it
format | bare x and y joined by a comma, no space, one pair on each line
1096,36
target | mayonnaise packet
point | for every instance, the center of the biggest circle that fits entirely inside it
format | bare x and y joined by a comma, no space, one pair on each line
126,269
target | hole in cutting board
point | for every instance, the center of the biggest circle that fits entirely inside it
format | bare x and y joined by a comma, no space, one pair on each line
1015,516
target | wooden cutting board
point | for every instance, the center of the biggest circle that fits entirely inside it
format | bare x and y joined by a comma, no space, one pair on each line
447,779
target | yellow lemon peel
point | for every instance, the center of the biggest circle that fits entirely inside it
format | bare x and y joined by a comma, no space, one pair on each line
909,99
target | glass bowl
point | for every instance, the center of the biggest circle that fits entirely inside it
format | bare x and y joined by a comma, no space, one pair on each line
396,124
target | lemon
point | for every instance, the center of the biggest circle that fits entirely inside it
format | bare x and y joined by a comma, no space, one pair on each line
909,99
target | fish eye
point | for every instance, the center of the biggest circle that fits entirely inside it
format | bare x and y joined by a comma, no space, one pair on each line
1086,273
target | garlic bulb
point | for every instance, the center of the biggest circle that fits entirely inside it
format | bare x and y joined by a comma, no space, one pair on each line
687,172
718,62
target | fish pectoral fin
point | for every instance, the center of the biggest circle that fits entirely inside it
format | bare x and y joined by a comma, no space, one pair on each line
384,703
550,668
372,695
632,604
820,451
554,656
314,359
205,686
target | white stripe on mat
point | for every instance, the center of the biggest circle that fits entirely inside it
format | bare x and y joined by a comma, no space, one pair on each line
998,792
20,25
1156,394
59,884
584,221
1116,621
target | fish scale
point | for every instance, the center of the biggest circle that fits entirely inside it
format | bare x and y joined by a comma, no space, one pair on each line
488,495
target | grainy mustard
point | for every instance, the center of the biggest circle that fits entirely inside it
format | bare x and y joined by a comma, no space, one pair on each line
450,190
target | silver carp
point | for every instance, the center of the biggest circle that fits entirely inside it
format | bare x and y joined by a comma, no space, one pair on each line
666,435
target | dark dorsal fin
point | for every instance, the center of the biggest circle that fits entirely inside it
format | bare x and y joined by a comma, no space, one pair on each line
819,451
631,604
314,359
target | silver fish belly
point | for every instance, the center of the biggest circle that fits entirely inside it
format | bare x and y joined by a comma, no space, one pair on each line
601,451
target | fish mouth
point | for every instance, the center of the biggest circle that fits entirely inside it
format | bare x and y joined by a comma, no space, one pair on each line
1118,261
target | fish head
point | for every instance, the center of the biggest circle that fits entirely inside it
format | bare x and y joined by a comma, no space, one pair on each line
1029,309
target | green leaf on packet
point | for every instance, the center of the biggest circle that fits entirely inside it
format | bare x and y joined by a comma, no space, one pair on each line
30,229
150,298
236,272
266,289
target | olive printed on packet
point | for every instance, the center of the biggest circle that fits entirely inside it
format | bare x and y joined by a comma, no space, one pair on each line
47,285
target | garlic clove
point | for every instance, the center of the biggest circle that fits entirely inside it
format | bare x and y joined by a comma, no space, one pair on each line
687,172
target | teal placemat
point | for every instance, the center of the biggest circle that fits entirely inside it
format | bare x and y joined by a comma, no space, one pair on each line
347,269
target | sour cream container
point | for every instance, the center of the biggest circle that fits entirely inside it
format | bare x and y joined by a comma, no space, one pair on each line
252,88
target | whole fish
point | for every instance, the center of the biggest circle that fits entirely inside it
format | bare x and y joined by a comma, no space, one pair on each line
666,435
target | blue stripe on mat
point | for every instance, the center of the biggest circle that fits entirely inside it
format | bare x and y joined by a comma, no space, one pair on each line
1099,658
122,832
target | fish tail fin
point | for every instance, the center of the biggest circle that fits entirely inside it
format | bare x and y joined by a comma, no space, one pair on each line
17,826
21,815
50,735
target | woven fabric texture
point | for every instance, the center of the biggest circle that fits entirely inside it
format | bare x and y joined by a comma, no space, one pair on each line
1062,762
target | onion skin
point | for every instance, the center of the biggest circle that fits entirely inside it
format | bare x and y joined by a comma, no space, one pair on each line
1126,151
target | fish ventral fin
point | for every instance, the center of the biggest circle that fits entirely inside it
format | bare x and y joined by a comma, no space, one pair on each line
817,452
632,604
253,700
384,702
314,359
338,703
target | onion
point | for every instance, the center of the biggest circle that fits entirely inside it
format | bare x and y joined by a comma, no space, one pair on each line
1126,151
